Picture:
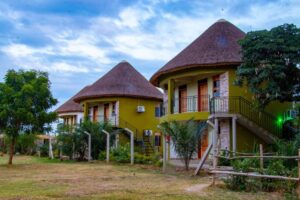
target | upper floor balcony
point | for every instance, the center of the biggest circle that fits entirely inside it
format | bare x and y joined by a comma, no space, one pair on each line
104,112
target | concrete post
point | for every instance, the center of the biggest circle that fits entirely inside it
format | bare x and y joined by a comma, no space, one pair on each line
131,145
89,146
107,145
164,154
215,135
50,148
117,141
234,135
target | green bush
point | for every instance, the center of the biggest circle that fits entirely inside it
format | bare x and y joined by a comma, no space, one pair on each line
44,150
276,167
121,154
26,144
75,140
102,155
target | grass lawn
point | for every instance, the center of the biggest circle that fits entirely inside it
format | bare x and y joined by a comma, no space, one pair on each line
39,178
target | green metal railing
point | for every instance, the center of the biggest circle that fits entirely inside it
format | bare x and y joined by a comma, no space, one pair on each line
239,105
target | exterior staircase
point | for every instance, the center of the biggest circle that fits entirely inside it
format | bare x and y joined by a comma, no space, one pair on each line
139,138
147,146
261,123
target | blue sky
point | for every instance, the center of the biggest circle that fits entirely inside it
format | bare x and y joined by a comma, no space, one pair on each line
77,41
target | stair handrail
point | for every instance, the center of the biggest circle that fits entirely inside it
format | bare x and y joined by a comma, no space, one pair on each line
240,105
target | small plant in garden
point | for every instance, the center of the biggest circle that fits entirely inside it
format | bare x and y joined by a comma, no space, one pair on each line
185,137
277,167
121,154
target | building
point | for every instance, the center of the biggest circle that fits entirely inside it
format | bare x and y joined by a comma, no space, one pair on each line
125,99
199,83
71,112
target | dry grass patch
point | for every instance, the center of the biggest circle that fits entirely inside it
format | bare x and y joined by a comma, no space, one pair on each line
33,178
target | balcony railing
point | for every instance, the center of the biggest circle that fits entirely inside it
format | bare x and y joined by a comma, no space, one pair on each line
239,105
191,104
112,119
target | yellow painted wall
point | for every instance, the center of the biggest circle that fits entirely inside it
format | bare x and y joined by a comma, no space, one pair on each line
128,112
142,121
245,138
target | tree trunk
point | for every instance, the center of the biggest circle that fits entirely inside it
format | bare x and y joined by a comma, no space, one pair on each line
187,162
11,150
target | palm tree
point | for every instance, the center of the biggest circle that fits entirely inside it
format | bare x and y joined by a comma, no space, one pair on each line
185,136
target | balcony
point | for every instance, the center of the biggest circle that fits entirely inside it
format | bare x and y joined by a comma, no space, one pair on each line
112,120
191,104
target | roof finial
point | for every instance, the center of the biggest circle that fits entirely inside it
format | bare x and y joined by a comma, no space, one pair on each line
123,61
222,20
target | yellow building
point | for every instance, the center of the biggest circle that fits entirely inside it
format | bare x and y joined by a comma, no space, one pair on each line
125,99
199,83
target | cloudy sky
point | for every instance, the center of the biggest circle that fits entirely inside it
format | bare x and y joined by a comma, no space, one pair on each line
77,41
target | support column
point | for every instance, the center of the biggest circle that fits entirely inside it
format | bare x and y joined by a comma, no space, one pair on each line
215,135
107,145
170,95
131,145
89,146
234,134
164,154
85,111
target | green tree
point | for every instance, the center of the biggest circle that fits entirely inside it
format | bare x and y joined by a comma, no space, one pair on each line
25,99
185,137
270,65
75,140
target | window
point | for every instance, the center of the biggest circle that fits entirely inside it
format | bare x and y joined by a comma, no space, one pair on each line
157,111
157,140
216,86
113,111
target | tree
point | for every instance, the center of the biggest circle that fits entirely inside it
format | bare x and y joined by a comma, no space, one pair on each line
25,99
75,135
271,64
185,137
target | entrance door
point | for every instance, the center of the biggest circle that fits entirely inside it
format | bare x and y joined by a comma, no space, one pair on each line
202,96
95,113
106,112
182,99
204,144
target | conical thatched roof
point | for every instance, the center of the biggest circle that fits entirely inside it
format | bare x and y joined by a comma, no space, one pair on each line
122,80
71,105
217,46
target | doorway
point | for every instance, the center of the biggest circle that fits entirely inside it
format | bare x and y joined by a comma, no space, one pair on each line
106,112
203,144
202,96
182,99
95,113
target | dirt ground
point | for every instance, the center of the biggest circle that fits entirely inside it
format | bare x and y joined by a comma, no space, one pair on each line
34,178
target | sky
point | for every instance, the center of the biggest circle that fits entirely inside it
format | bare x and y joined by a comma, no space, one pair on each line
78,41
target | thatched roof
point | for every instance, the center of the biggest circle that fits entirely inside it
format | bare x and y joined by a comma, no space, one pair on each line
121,81
71,105
217,46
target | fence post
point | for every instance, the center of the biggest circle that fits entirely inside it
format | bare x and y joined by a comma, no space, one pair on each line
164,154
299,172
261,153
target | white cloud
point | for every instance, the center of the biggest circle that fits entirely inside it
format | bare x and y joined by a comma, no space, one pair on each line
146,32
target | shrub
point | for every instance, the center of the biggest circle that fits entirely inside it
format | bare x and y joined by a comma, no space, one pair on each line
74,140
102,155
26,144
240,182
121,154
44,149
